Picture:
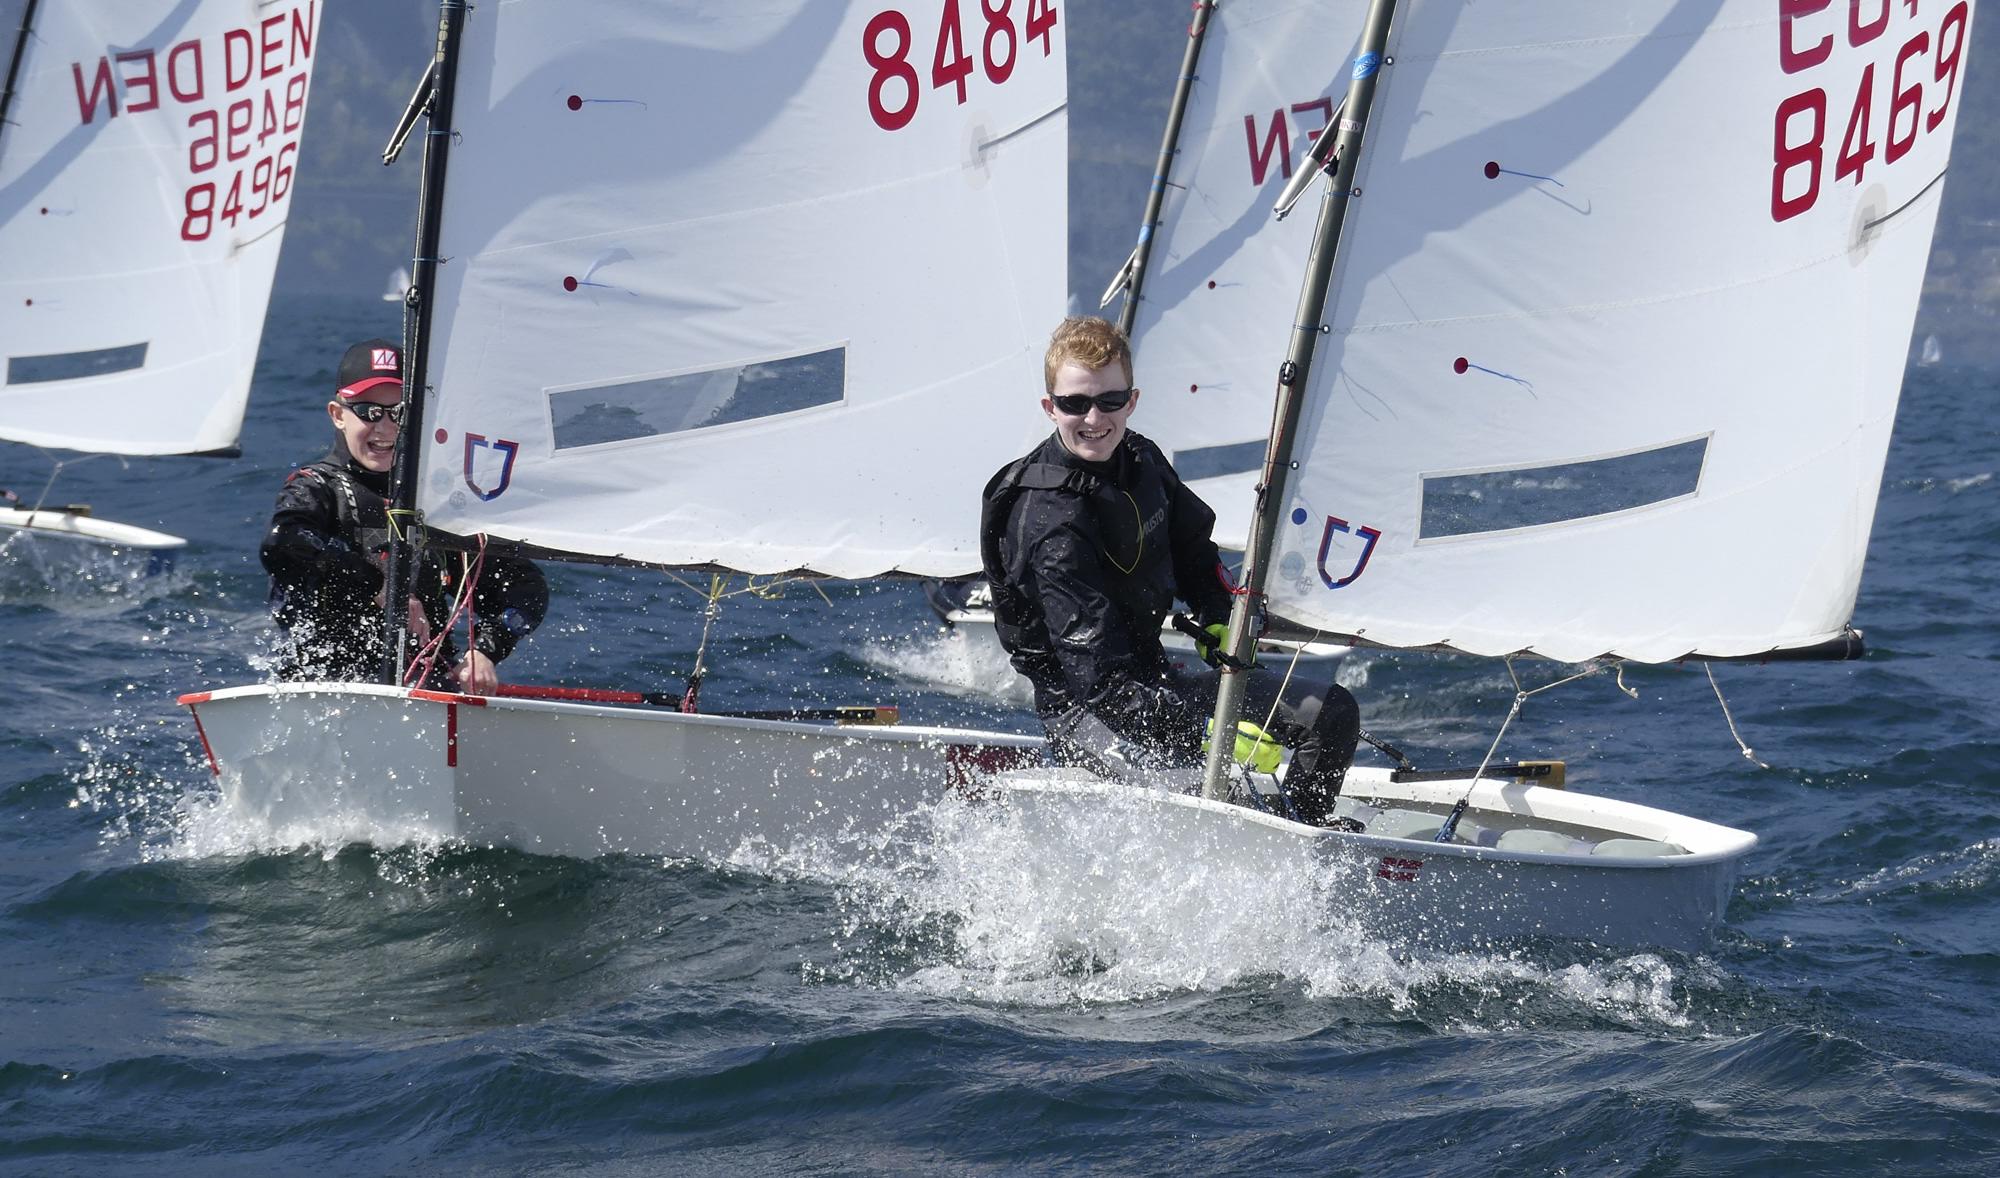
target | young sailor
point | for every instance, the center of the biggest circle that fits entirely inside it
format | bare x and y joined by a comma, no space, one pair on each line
1087,542
329,536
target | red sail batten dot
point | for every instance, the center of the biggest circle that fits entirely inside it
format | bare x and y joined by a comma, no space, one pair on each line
1459,365
1492,170
441,436
569,282
575,102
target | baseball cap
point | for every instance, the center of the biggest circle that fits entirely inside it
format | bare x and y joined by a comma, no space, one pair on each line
368,364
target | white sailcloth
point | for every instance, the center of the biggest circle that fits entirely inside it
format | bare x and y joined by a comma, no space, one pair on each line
146,167
1224,278
1620,321
769,294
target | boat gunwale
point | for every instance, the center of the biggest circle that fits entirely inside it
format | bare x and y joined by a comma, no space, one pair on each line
1731,843
885,733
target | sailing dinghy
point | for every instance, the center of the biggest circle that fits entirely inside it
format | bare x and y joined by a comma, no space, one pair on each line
763,261
1601,334
147,154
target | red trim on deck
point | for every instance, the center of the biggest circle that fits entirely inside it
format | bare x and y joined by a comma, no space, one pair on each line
447,697
588,695
203,733
194,697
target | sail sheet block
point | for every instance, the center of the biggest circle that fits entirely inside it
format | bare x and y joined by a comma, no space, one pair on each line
1621,311
741,285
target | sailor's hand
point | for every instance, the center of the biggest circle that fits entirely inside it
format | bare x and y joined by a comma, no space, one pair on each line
476,674
418,623
1210,647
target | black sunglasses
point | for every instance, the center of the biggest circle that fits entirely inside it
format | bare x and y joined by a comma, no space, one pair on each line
1078,404
371,413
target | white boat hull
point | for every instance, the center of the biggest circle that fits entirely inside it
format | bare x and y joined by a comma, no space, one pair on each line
1099,842
339,762
88,529
333,762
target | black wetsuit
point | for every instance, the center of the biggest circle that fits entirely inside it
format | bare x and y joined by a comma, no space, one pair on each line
1086,560
325,551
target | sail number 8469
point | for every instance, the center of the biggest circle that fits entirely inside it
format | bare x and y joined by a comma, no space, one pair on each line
1807,33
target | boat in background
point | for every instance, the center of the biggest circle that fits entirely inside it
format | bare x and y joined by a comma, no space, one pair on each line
399,285
599,376
144,188
1561,410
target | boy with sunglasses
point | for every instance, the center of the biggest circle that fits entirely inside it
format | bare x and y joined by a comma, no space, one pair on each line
327,540
1087,542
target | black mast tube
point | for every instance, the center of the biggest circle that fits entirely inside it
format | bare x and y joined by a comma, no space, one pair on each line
14,65
403,523
1294,378
1134,276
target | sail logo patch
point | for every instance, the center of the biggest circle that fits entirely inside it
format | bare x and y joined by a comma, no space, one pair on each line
481,459
1367,537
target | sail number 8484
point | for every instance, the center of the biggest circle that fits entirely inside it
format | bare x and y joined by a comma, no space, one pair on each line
1807,33
895,88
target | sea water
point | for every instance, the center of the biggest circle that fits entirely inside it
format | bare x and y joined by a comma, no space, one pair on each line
183,993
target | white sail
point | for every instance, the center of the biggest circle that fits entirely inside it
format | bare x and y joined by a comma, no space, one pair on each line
146,167
399,285
1224,278
1620,319
770,295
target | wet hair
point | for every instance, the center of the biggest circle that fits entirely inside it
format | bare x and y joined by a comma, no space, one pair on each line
1088,341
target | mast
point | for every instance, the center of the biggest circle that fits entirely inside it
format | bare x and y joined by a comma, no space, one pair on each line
1132,276
14,60
417,337
1293,379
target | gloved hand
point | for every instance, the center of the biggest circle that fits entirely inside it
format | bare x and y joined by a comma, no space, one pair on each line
1210,647
1255,748
1211,643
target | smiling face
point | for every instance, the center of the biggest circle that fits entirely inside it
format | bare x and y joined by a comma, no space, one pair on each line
373,445
1094,436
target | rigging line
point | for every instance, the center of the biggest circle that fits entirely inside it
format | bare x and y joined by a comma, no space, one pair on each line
1727,718
1866,225
1521,695
1030,125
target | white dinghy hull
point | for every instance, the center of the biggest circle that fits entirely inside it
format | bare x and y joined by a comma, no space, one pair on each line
78,527
1664,882
323,762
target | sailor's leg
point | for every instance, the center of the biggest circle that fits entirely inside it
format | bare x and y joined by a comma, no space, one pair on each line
1322,749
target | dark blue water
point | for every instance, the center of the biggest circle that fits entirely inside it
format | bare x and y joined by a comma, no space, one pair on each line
177,999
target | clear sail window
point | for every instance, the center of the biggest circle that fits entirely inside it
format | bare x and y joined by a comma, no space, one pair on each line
1504,500
1212,462
75,365
663,405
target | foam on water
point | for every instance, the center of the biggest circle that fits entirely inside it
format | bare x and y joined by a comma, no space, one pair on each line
959,660
976,901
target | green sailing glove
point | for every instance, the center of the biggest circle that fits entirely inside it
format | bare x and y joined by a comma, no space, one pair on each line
1255,748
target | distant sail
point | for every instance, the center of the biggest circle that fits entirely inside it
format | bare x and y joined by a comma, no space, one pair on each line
1932,353
145,179
399,285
